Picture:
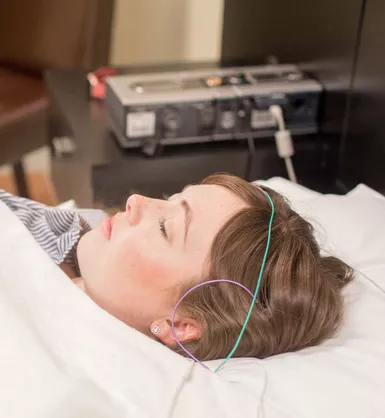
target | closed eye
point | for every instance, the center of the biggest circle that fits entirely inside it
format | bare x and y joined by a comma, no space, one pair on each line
162,227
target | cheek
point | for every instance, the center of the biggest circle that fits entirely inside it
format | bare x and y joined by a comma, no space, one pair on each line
134,261
144,265
90,248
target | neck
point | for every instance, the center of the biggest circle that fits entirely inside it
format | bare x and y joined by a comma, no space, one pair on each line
73,276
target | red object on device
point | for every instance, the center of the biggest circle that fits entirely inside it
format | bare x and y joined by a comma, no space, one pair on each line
97,81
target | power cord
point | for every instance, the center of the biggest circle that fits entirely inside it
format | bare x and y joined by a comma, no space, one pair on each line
284,142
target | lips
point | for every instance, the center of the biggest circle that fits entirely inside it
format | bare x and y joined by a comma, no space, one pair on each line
106,227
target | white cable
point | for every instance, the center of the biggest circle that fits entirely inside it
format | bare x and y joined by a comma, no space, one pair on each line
290,170
283,141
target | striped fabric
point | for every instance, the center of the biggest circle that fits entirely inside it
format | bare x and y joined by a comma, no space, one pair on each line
57,231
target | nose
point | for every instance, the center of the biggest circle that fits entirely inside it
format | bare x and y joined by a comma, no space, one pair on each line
134,208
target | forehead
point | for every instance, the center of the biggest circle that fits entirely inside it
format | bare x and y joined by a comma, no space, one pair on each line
212,198
211,207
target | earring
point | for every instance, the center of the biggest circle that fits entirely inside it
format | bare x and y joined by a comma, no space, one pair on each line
155,329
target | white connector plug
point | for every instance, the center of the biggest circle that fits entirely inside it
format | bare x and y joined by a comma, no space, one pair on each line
283,141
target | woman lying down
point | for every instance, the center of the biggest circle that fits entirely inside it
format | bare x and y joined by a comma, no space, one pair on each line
139,264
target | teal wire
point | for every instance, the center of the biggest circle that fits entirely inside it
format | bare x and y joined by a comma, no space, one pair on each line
256,289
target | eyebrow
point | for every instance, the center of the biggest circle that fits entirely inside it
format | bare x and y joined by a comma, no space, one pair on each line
187,217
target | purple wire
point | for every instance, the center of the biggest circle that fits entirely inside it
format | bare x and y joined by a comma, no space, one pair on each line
179,302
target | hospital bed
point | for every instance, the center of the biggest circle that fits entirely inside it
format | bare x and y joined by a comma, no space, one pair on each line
63,356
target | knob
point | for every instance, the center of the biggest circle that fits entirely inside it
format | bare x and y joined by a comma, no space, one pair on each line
171,120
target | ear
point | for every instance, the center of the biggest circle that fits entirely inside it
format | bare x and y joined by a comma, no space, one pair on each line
186,329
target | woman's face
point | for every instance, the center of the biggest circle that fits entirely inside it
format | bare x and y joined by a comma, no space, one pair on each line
134,264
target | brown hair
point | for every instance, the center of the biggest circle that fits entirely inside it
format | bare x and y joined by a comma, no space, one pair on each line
299,302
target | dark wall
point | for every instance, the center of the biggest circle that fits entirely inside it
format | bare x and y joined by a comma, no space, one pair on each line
363,156
321,36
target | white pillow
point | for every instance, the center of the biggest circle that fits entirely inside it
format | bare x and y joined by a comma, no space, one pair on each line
292,191
351,227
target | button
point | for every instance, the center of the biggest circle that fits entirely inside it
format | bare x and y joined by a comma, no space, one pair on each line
227,120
